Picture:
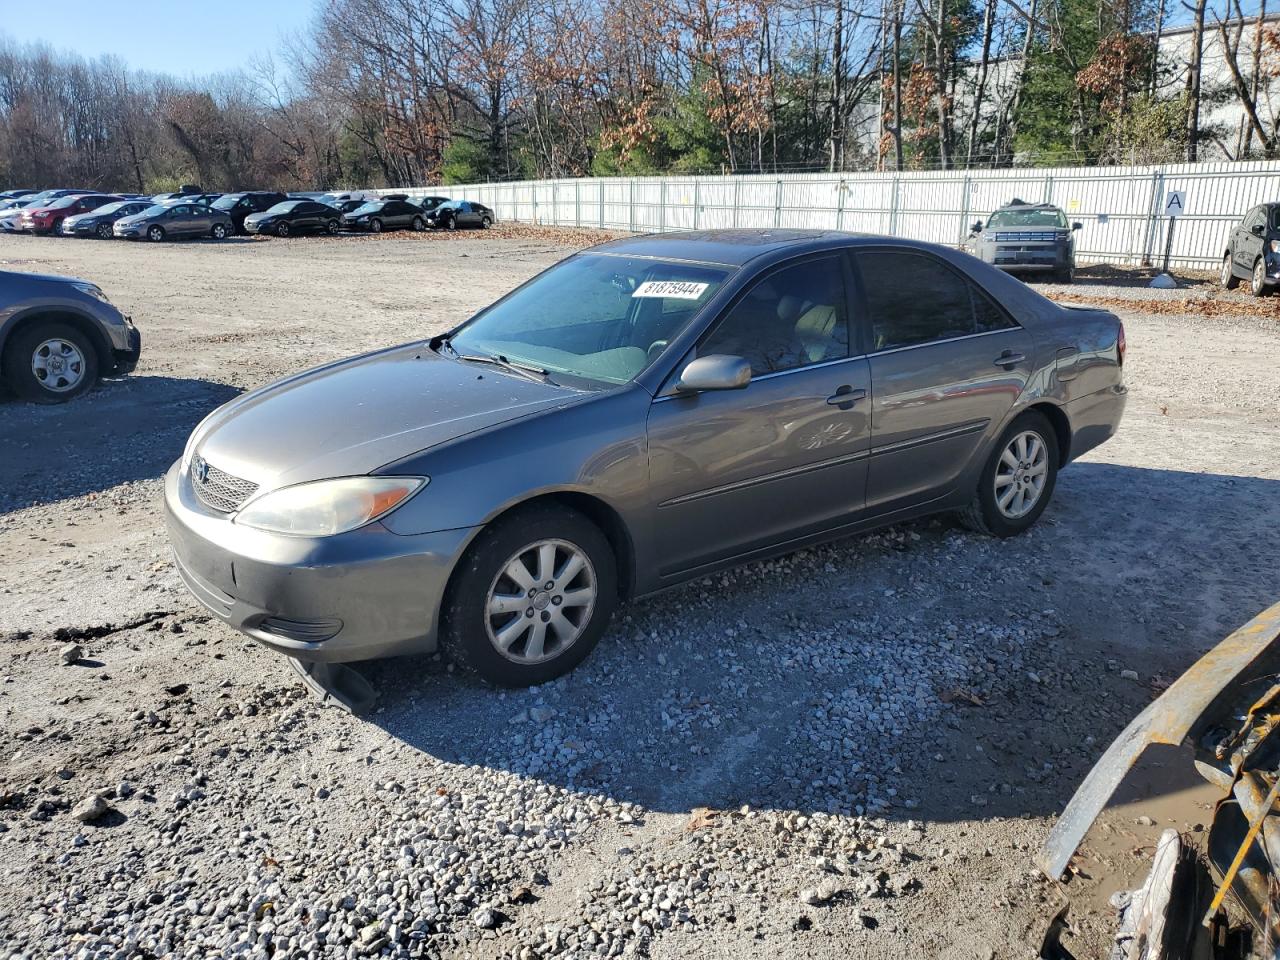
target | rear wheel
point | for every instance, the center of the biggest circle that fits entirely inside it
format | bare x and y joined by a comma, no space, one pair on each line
50,362
1258,280
331,227
1018,479
1228,277
531,597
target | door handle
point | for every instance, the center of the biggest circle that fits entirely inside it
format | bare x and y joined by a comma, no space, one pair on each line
845,397
1009,359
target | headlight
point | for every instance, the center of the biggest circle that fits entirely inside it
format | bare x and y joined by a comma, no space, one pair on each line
92,290
326,507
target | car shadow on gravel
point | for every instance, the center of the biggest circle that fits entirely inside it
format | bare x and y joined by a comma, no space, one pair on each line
125,430
921,672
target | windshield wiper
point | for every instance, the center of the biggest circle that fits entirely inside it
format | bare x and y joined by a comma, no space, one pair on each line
527,370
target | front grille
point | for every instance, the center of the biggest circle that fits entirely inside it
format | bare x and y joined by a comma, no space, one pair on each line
218,489
1029,236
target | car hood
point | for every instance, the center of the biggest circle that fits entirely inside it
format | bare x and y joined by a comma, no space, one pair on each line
351,417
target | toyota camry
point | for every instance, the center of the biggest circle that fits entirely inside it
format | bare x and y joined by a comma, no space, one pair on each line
643,412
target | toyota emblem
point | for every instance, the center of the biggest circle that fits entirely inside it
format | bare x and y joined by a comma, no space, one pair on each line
200,469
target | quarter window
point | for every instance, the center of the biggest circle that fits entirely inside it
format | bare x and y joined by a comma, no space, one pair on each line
790,319
914,298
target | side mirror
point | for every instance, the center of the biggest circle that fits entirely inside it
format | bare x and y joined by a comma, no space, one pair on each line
1256,229
714,372
1077,226
977,226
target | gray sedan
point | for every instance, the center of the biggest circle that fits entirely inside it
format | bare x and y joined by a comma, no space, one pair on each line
644,412
175,219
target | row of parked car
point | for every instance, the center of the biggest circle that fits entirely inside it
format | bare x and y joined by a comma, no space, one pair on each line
193,213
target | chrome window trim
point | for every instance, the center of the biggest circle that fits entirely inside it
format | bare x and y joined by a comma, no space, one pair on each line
930,343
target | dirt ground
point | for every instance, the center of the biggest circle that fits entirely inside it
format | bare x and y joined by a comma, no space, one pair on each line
1157,545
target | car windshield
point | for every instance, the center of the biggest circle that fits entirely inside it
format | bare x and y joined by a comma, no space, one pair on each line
371,207
284,206
113,207
62,202
598,317
155,210
1030,217
227,201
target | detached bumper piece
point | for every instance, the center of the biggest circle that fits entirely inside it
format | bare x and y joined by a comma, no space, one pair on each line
127,359
1227,708
336,685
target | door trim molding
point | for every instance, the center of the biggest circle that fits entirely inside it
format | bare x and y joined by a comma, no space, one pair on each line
764,478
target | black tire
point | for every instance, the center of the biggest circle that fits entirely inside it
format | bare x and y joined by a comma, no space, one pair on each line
1066,275
465,628
282,230
19,353
218,231
331,227
55,229
375,225
419,225
1228,277
103,231
984,515
485,223
1257,280
155,233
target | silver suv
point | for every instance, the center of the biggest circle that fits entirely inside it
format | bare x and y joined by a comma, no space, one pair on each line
1024,237
59,335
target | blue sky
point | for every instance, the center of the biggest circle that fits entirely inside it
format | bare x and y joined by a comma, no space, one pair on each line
179,37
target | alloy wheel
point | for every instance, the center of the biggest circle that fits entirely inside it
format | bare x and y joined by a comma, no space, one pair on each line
104,231
541,601
58,365
1021,474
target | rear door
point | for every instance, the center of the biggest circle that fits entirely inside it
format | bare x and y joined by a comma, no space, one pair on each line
177,222
947,366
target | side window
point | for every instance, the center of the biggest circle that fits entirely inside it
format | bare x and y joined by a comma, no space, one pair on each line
987,316
180,211
913,298
790,319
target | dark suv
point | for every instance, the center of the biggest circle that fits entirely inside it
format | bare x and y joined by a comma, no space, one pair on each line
1253,251
1024,237
59,335
240,205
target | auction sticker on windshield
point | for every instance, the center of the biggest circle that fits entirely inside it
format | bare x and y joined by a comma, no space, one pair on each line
678,289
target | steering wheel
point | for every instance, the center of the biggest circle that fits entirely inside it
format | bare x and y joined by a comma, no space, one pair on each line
655,348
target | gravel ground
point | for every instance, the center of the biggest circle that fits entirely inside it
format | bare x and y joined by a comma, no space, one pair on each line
849,751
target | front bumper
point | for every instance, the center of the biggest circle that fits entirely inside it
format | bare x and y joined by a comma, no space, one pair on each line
127,357
130,231
360,595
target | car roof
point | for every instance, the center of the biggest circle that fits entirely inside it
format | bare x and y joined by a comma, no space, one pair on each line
1016,204
731,248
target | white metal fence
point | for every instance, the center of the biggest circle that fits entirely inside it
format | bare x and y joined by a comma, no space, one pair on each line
1121,208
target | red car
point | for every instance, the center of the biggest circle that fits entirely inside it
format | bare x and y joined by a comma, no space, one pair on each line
48,219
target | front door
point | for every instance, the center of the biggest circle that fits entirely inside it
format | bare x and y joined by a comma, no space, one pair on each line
947,365
1248,245
737,470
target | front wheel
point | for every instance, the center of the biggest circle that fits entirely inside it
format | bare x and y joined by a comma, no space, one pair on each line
418,225
375,226
1228,277
50,362
282,230
1258,280
219,231
1018,479
103,230
155,234
531,597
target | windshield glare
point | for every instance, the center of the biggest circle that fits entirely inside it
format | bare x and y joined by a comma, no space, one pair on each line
113,207
227,201
595,316
154,210
282,207
369,207
1028,218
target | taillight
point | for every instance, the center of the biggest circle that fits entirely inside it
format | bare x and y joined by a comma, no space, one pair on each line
1120,345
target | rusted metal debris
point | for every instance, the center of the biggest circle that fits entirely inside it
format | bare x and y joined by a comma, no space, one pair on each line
1226,707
